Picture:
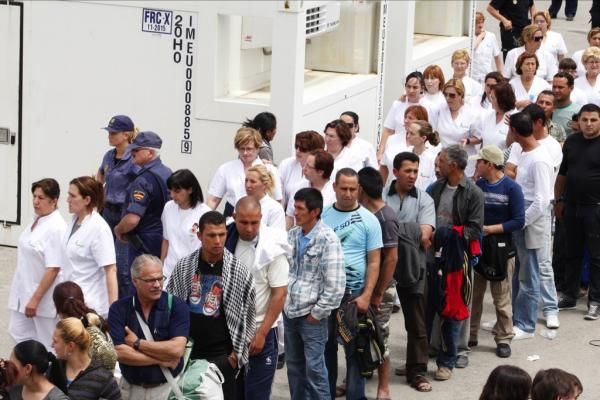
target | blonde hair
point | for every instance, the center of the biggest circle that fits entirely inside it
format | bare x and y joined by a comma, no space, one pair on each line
265,176
425,130
72,330
479,17
131,135
461,54
528,32
546,15
590,52
457,85
247,135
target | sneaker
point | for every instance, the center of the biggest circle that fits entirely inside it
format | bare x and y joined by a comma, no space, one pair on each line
280,361
552,321
570,17
489,325
593,312
566,304
503,350
521,334
462,361
442,374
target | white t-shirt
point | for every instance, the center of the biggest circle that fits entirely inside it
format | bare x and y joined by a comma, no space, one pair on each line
395,144
554,44
38,250
347,158
553,148
535,178
327,192
548,64
272,213
537,86
493,133
577,58
483,57
365,151
180,228
229,181
592,93
290,172
395,117
452,131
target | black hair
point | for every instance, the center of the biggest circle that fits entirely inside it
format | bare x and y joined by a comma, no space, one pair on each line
590,107
553,383
567,63
43,362
506,382
371,182
495,75
522,123
185,179
535,112
312,198
348,172
354,117
419,76
49,186
546,93
567,76
404,156
210,218
263,123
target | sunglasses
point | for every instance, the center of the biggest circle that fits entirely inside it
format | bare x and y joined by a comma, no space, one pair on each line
538,38
451,95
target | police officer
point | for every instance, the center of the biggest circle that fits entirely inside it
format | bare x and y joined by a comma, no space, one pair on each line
140,225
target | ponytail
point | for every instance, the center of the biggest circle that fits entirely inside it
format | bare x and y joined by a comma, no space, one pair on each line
42,362
56,375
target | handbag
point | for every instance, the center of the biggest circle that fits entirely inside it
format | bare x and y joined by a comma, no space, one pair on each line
497,249
200,380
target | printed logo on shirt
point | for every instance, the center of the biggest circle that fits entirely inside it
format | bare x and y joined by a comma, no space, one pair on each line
206,295
138,195
346,226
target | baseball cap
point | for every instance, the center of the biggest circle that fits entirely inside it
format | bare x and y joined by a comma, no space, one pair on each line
120,123
146,140
489,153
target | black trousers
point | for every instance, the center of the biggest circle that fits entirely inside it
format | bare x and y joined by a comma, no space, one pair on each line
417,347
570,7
595,13
582,225
509,39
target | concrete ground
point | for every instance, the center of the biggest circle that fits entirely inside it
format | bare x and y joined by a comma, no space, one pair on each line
570,350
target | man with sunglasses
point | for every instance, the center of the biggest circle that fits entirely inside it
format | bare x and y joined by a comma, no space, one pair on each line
141,226
141,358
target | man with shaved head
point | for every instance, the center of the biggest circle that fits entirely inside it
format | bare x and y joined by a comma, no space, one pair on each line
263,250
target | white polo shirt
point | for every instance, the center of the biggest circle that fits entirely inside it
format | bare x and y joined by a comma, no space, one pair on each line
548,64
537,86
346,159
180,228
592,93
365,151
89,250
229,181
37,250
554,43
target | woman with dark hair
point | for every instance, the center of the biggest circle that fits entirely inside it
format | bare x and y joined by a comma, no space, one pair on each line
507,382
527,85
266,124
531,42
363,148
69,302
337,138
180,219
40,375
89,245
555,384
40,258
483,103
493,123
397,143
414,87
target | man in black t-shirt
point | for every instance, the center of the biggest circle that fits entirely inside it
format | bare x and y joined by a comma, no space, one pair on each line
513,16
577,193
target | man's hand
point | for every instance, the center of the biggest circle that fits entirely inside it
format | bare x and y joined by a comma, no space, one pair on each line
559,209
362,303
507,24
425,243
257,344
312,320
31,307
376,299
169,364
130,337
233,360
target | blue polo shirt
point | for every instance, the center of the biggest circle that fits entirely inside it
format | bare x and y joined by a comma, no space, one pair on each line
118,173
162,324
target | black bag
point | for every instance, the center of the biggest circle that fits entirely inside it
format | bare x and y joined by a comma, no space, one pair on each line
496,251
369,343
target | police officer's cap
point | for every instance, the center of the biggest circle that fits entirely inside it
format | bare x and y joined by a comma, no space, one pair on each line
146,140
120,123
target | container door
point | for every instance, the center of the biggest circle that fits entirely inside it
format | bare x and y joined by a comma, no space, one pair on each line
10,111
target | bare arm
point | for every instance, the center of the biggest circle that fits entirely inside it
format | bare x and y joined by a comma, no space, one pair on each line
373,260
213,201
499,63
164,351
47,281
111,283
127,355
278,295
390,258
127,224
383,170
289,222
384,137
496,14
426,236
100,177
510,170
164,250
559,189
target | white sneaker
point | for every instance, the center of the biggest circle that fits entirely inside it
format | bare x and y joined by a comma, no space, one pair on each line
552,321
489,325
521,334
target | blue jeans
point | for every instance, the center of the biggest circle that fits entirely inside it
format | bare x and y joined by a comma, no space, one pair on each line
113,217
261,371
448,354
304,355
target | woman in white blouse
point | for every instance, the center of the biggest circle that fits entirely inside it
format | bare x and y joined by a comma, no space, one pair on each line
494,127
260,184
424,141
40,256
485,49
457,122
460,65
394,121
527,85
180,219
593,38
553,42
531,40
590,83
89,245
433,99
337,138
229,179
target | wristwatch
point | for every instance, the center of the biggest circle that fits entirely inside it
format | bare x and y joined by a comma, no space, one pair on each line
136,344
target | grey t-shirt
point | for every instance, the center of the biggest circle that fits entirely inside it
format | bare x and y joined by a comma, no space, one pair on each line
444,210
16,393
389,229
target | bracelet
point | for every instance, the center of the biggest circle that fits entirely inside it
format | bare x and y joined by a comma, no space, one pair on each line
136,344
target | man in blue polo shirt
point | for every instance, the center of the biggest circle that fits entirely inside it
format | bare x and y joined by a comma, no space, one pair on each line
140,357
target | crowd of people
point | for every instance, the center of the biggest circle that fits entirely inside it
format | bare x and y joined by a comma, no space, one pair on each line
490,176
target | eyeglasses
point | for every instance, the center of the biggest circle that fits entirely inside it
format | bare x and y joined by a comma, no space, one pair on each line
150,281
247,149
451,95
538,38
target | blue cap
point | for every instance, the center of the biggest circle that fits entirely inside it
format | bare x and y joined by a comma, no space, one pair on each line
146,139
120,123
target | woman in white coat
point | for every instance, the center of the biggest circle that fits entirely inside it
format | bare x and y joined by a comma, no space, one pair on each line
553,42
40,257
531,40
89,245
589,83
527,85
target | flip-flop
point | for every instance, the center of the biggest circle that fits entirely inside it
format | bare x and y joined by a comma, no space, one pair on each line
421,384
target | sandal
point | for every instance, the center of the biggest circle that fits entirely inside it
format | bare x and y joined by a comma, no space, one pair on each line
421,384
